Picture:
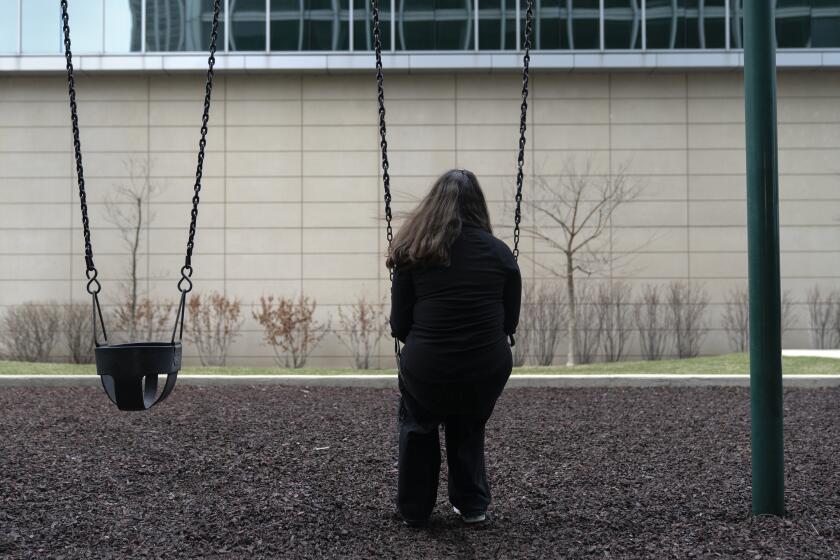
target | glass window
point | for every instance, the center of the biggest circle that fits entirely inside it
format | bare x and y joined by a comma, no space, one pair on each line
736,24
9,26
586,26
623,24
122,26
445,25
686,24
550,24
247,25
825,24
310,25
793,23
180,25
41,27
363,25
497,24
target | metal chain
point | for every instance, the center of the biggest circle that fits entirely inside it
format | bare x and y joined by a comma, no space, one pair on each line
383,142
185,284
520,161
93,285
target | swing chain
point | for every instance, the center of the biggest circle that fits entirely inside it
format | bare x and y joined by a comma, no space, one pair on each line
520,160
185,284
93,285
383,142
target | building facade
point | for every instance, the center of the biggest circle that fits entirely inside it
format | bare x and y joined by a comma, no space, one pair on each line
292,197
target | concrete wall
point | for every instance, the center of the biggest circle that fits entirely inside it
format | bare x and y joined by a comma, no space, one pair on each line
292,198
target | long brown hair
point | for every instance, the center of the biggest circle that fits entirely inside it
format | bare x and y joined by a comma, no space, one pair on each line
430,229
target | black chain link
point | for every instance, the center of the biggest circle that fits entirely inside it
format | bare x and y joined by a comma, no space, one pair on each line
184,284
383,144
383,141
93,285
520,160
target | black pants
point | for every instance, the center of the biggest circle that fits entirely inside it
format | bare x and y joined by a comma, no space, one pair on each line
419,457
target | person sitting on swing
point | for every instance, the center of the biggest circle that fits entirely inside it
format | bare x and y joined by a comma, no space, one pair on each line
454,303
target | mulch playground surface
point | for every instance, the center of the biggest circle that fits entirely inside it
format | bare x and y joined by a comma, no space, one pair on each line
288,472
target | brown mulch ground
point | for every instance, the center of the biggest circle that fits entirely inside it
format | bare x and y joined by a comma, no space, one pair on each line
274,472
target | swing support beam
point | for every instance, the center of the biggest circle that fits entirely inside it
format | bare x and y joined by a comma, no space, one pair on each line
764,277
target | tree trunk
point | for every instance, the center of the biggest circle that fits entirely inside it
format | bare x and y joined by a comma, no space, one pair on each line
135,247
570,295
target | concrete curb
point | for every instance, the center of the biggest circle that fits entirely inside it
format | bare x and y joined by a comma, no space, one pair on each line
390,381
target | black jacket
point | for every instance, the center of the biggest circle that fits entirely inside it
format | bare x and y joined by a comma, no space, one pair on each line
454,320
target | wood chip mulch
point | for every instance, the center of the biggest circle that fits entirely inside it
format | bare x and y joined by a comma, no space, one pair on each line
288,472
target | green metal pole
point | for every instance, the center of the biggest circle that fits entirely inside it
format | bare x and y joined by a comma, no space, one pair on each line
764,283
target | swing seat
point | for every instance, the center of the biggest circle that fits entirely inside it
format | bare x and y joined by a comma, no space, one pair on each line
129,372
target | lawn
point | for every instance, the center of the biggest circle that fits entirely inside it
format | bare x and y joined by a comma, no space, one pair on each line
725,364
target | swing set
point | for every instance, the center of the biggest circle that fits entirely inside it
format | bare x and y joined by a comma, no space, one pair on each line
129,372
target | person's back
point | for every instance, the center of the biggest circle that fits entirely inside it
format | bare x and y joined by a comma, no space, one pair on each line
457,328
454,302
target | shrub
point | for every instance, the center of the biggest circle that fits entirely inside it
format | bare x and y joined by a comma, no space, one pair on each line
149,321
524,332
29,331
290,328
214,323
78,332
615,322
587,334
824,317
651,318
686,304
736,317
545,322
361,327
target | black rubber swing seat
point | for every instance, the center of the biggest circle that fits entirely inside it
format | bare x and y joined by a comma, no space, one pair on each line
129,372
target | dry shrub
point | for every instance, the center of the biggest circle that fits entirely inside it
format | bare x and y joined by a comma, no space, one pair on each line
651,320
78,332
29,331
150,321
545,322
587,334
824,317
615,322
736,317
524,332
361,327
214,323
686,304
290,328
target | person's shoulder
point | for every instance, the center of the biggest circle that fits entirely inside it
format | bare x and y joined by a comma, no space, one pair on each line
497,245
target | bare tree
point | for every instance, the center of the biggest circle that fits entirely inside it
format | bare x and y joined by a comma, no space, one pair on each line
290,328
360,329
736,317
651,320
615,321
78,333
545,321
581,205
215,322
128,211
29,331
687,303
823,308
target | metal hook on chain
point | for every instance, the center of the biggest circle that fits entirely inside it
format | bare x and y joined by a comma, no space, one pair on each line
93,285
186,274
